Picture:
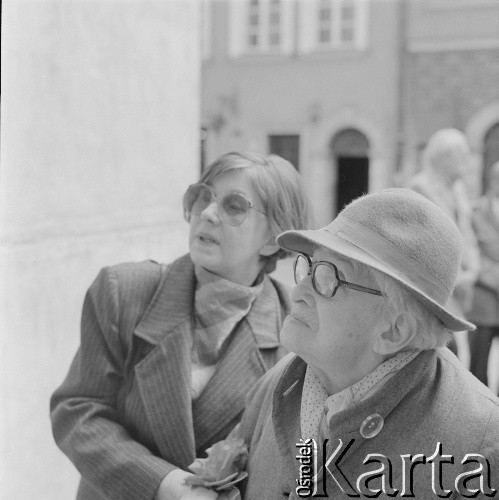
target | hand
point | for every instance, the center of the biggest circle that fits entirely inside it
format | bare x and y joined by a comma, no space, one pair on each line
173,488
200,493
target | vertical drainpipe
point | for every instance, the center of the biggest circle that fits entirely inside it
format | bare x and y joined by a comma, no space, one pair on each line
402,104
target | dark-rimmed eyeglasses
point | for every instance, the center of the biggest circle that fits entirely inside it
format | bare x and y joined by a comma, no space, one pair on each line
233,208
325,277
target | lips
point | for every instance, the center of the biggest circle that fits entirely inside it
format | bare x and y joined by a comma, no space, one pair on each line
207,239
297,318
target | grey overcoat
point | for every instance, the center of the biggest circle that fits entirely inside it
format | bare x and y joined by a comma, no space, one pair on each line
432,400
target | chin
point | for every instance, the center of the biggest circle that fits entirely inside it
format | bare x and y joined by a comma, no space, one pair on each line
291,337
202,260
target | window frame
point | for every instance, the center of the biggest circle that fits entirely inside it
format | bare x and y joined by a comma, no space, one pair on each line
313,25
240,28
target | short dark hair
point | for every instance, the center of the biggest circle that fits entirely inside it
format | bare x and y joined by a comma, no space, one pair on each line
279,186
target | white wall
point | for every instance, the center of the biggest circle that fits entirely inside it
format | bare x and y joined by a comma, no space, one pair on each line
100,137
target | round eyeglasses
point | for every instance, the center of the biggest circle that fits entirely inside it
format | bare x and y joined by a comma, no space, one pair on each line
325,278
233,208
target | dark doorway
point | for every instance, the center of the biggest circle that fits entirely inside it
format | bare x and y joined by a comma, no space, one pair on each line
287,146
350,150
490,152
353,179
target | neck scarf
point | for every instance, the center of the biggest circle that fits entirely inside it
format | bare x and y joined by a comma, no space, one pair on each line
315,398
219,305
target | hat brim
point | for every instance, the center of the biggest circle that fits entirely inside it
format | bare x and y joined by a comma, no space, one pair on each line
306,241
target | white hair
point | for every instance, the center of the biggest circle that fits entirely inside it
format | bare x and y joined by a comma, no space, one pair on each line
443,150
430,331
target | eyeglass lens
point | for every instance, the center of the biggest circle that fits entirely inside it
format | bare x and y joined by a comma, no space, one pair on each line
324,277
301,268
233,207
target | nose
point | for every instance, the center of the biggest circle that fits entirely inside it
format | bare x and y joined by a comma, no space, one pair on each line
210,213
303,291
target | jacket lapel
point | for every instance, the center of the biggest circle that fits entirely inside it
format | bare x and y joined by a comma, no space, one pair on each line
166,396
163,376
224,396
286,419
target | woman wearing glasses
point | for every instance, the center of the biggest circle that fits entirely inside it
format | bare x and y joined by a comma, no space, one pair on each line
169,352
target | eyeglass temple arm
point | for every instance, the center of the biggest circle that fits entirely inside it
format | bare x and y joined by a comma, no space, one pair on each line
360,288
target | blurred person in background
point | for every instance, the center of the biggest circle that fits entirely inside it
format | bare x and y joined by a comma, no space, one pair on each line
485,310
368,377
169,352
444,163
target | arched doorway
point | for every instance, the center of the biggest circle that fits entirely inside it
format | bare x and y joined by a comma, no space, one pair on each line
350,150
490,152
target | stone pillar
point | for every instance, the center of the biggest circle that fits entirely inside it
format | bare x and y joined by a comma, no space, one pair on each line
100,137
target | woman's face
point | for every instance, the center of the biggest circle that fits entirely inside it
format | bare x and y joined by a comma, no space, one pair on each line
334,335
231,252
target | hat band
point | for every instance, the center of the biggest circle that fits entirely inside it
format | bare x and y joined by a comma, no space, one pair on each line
390,257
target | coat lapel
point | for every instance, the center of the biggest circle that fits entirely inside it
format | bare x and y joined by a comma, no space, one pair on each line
163,376
224,396
286,419
166,396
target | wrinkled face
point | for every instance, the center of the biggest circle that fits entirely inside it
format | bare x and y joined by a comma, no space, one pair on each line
335,332
231,252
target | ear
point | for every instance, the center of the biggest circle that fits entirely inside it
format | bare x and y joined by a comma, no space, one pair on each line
397,336
270,248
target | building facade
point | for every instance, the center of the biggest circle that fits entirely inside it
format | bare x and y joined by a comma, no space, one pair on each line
100,113
350,90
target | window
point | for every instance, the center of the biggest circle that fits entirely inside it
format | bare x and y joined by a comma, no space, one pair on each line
347,22
287,146
275,23
336,22
264,25
254,23
261,27
333,24
324,24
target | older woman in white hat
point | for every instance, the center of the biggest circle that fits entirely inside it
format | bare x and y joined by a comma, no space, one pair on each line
369,370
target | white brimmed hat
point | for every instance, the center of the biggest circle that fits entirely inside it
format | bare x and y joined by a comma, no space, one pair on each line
401,234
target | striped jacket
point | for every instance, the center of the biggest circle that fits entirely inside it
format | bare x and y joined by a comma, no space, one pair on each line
124,414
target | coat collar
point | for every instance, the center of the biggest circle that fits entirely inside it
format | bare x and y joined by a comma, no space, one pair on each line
172,304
